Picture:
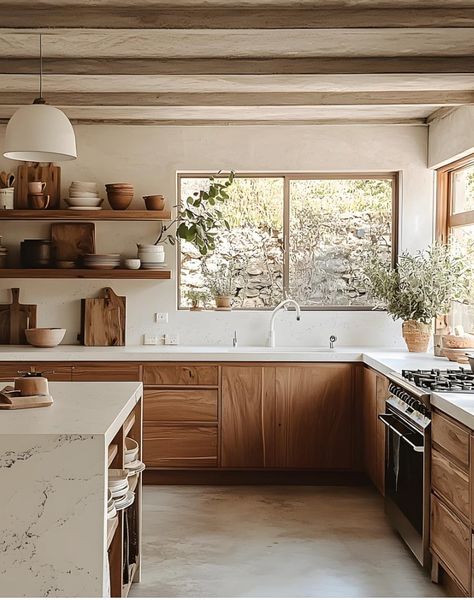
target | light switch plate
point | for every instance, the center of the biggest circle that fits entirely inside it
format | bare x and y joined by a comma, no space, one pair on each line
171,339
161,317
151,340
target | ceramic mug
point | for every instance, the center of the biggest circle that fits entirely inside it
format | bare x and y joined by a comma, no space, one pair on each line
38,201
6,198
36,187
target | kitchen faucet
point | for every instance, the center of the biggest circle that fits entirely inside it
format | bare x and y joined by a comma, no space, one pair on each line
235,341
283,305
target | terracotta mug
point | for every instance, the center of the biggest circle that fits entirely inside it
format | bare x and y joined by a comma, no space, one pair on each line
36,187
38,201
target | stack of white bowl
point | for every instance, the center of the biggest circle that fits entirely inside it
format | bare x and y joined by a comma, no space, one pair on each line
111,510
120,490
132,462
152,256
83,195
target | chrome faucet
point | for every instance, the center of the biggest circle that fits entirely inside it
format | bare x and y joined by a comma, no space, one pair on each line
332,339
283,305
235,341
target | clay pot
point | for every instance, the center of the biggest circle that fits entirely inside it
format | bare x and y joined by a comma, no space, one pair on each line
31,386
223,301
155,202
417,335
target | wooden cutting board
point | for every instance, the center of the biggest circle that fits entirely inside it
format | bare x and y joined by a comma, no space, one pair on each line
47,172
73,240
103,319
15,318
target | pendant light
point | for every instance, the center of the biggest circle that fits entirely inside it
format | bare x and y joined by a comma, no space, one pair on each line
39,132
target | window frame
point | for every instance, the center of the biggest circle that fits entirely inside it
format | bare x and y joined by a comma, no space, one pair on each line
445,219
287,177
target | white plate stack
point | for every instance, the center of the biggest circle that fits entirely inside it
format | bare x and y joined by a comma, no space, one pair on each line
83,195
111,510
101,261
132,462
119,488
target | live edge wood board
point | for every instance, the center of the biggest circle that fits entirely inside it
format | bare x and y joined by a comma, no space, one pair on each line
205,419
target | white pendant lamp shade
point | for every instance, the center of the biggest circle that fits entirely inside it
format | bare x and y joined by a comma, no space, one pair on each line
40,133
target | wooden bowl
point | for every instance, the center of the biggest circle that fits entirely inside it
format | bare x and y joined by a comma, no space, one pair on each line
459,355
154,202
119,201
45,337
458,341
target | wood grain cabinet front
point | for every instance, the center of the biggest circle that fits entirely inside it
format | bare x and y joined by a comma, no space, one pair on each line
181,374
450,482
53,371
287,416
451,438
181,405
106,372
179,446
451,542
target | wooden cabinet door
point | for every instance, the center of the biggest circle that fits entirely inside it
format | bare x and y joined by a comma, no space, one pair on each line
382,394
242,423
368,406
314,416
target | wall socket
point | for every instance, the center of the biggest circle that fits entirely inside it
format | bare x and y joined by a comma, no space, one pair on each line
151,340
161,317
171,339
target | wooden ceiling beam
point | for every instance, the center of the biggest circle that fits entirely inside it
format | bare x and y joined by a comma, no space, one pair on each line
389,98
148,17
240,66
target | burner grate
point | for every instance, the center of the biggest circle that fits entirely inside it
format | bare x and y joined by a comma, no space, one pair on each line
437,380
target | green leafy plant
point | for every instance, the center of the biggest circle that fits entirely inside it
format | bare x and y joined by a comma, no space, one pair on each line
199,218
422,285
196,298
221,281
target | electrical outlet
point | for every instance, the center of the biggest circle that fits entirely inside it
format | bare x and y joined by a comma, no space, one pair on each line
151,340
161,317
171,339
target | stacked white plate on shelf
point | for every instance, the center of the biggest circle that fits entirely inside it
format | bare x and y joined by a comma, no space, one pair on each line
132,463
120,489
83,195
101,261
111,510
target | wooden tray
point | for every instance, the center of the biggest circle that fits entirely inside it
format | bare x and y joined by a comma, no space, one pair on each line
47,172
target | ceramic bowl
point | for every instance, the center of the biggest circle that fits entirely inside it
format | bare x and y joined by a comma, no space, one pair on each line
155,202
45,337
82,194
132,263
85,202
131,450
119,201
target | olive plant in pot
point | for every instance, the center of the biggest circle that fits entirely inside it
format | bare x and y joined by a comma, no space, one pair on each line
196,298
221,285
420,287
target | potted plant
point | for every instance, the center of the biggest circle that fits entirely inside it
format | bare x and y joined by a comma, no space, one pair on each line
221,285
196,299
199,218
421,286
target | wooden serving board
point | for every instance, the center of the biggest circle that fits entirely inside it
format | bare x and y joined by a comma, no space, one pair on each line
47,172
73,240
15,318
10,399
103,319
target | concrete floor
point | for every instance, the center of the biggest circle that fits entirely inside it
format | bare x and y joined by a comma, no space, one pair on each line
273,542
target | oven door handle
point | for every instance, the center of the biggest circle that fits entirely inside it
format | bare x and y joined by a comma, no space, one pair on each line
399,433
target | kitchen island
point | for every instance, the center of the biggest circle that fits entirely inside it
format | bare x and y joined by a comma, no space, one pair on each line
53,477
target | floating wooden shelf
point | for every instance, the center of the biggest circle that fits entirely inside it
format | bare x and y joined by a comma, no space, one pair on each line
85,215
83,274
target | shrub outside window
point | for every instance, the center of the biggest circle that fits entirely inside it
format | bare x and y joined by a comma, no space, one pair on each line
299,235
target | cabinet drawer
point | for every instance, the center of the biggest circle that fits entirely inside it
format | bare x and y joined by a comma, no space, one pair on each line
450,481
451,541
180,405
166,374
54,372
451,438
107,372
179,446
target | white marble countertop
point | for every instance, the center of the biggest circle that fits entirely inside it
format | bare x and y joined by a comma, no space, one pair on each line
79,408
456,405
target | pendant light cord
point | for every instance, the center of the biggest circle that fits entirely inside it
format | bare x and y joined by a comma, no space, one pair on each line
40,99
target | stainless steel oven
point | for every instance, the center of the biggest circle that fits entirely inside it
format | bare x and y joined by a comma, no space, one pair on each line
407,468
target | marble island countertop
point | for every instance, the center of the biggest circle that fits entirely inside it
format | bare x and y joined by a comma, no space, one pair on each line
79,408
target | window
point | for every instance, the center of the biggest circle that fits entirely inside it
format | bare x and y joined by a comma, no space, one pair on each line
455,220
305,235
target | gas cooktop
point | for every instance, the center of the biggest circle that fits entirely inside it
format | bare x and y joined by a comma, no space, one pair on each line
436,380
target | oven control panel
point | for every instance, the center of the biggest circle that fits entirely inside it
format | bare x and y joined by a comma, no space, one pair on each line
408,405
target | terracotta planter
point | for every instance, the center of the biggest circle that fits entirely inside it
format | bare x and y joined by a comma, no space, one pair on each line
417,335
223,301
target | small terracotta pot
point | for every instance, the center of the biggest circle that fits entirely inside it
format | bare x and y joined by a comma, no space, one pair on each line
223,301
417,335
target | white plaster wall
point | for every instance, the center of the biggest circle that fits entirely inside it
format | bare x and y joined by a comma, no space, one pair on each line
150,157
451,137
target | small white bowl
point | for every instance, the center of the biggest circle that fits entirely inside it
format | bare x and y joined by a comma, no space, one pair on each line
82,194
84,202
132,263
84,185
